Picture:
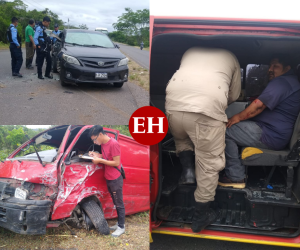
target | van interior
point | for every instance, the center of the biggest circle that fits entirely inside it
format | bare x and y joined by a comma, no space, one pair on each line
270,202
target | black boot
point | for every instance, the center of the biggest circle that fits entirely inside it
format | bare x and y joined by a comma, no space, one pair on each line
187,160
27,63
203,216
41,77
49,76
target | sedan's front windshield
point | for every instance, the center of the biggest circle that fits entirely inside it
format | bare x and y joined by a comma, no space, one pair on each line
89,39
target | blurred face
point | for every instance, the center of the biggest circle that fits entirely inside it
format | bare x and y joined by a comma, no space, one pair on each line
32,25
97,139
16,23
276,69
46,24
56,29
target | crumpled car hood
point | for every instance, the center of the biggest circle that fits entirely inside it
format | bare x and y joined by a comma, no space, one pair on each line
30,171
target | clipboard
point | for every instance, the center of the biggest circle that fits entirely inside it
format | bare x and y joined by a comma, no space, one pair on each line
86,157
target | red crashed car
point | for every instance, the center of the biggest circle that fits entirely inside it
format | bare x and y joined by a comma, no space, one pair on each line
48,188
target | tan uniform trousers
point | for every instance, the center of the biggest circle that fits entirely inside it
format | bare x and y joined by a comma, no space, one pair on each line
205,136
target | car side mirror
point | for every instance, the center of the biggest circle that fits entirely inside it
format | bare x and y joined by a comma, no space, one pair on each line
67,162
117,46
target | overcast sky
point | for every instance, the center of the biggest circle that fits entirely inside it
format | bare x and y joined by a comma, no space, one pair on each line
90,12
264,9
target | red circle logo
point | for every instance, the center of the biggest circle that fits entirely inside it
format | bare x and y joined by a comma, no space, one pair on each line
148,125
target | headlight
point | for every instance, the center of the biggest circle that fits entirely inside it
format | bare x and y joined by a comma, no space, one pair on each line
70,59
123,62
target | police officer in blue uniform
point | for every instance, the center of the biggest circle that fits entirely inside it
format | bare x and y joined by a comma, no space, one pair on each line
55,32
35,26
43,47
15,47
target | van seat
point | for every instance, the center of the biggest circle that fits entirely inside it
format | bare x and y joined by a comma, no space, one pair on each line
265,157
289,158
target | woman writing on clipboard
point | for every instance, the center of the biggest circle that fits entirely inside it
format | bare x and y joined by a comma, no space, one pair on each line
111,158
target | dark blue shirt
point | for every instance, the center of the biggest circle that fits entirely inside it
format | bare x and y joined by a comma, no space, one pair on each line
282,98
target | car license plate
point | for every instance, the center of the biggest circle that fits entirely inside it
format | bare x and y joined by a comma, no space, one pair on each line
21,194
101,76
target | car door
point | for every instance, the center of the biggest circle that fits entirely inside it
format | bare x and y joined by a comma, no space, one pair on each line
80,179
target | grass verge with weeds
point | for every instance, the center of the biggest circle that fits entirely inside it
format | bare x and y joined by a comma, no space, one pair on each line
136,237
3,46
138,75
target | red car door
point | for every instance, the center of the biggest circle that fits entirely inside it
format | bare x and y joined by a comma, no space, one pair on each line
80,179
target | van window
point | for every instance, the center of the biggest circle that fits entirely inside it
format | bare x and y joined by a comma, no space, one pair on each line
256,79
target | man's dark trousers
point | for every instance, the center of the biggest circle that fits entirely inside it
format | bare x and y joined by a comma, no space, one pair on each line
40,56
16,58
115,188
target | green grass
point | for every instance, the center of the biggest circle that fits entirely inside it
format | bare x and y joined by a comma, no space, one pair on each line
143,214
136,237
3,45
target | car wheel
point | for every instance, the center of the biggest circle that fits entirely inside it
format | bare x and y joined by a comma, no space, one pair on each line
96,215
118,84
54,65
62,78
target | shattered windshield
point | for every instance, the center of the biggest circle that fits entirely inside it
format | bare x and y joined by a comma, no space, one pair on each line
46,148
48,155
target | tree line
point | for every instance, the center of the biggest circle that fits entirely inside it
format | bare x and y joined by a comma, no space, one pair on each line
13,136
19,9
132,28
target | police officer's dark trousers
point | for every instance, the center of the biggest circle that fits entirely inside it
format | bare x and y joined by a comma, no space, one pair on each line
16,58
40,57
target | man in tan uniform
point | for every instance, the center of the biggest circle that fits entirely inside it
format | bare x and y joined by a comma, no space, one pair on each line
197,95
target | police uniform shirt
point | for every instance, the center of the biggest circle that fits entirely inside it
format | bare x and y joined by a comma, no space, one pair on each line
55,33
38,35
14,33
207,81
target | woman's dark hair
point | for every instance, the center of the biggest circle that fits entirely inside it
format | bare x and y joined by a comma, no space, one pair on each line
14,19
95,130
31,21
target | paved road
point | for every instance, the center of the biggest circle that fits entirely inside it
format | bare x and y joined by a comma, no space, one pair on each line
163,241
137,55
29,100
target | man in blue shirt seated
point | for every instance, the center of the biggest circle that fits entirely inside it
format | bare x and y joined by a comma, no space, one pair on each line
267,122
15,47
